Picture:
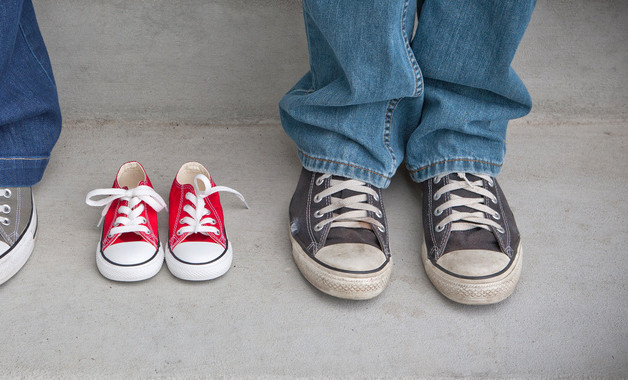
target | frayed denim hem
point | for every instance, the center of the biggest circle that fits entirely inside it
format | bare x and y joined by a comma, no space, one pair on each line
22,171
322,165
468,165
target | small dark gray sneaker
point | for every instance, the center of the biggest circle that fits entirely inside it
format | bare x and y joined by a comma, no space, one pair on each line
339,235
471,245
18,226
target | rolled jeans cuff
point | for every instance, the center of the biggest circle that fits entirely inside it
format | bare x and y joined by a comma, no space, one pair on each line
22,171
467,165
344,169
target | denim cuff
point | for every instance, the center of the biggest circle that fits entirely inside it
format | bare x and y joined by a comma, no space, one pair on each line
21,172
468,165
322,165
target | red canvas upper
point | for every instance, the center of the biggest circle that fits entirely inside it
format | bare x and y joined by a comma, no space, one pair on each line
112,214
177,202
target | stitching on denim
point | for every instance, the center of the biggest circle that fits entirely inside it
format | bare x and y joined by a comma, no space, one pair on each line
342,163
454,160
418,83
24,158
30,48
390,109
309,41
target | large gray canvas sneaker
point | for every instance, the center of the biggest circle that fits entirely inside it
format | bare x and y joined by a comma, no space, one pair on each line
339,235
18,226
471,244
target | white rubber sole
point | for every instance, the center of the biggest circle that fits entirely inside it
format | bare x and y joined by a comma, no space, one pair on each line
200,272
474,291
130,273
352,286
19,254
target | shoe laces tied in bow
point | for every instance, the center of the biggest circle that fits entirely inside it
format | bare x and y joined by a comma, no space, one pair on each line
198,219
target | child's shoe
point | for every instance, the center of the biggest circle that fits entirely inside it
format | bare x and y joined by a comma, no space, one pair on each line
198,245
129,248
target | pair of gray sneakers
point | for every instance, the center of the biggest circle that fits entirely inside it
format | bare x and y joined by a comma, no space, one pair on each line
471,247
18,227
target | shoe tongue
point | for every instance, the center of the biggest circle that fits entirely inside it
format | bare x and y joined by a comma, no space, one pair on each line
477,238
340,235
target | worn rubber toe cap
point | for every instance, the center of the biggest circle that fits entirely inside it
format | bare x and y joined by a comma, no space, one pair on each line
353,257
474,263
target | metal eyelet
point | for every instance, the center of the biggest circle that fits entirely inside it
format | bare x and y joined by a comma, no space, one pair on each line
109,235
212,221
501,230
318,214
149,232
7,193
378,214
494,200
491,183
217,233
436,197
144,221
439,228
318,227
181,221
437,211
496,216
319,181
376,197
317,198
6,222
179,233
6,209
437,179
381,229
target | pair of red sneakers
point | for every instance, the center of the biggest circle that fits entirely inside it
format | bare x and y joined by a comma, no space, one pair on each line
129,247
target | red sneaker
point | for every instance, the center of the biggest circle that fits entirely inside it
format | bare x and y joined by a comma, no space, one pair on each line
198,247
129,248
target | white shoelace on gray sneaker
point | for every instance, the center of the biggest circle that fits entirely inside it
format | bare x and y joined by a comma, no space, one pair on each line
5,208
357,205
130,221
198,219
463,221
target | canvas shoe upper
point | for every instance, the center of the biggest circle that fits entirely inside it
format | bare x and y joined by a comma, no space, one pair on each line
129,248
18,227
198,245
471,246
339,235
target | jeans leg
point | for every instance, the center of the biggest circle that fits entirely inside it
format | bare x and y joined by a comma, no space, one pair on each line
471,91
351,114
30,119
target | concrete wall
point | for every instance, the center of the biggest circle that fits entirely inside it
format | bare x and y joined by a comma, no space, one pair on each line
229,61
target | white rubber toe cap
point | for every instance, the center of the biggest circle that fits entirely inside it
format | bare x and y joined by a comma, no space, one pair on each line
473,263
198,252
130,253
353,257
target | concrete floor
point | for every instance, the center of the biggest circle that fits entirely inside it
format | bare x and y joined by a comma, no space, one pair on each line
567,184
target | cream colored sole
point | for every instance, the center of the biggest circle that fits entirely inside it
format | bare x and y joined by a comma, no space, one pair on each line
338,284
474,292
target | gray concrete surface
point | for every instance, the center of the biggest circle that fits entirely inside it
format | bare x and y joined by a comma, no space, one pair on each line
566,184
229,61
165,82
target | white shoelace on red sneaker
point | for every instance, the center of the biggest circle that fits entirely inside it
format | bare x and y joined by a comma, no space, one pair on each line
463,221
198,219
357,216
130,221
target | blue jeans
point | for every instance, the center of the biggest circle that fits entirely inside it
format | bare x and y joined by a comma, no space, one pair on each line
30,119
375,96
